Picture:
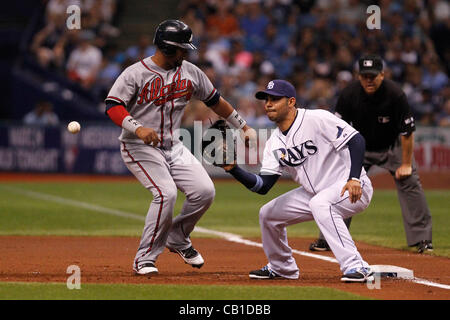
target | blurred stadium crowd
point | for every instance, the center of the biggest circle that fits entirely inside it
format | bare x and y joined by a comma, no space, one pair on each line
242,44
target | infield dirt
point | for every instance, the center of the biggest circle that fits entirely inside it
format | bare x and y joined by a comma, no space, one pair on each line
109,259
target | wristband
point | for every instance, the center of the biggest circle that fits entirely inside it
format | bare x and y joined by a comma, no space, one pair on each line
354,179
130,124
236,120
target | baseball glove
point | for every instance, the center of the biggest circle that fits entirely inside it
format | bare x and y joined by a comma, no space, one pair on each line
218,147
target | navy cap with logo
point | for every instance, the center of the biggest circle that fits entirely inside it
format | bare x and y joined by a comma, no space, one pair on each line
278,88
370,64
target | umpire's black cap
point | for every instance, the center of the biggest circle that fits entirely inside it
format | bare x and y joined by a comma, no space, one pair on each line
370,64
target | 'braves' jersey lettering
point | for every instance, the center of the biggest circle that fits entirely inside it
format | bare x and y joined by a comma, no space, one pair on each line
156,97
297,155
162,94
312,150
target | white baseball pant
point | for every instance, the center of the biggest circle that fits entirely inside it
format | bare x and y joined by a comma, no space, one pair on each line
328,209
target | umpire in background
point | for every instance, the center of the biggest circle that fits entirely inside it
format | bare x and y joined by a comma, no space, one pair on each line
379,110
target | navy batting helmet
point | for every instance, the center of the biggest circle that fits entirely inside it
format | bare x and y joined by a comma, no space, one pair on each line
171,34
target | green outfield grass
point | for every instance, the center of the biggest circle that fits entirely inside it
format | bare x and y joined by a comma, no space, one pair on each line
235,210
50,291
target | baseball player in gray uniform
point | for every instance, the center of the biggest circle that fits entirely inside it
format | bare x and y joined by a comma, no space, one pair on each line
323,154
147,100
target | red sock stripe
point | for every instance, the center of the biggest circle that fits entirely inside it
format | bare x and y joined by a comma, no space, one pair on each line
160,206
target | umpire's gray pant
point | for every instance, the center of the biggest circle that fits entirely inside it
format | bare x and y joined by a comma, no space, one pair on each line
415,211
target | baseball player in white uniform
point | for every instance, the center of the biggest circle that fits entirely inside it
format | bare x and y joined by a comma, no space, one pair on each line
147,100
324,155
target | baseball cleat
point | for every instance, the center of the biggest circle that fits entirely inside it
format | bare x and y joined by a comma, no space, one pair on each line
190,256
424,245
319,245
146,269
358,275
264,273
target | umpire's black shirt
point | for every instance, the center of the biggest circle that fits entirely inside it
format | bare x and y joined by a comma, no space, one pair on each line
379,117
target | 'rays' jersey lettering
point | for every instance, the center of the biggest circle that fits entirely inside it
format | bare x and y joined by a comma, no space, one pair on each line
295,156
156,97
313,152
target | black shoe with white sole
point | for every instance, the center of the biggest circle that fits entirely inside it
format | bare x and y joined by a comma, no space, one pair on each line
190,256
424,245
146,269
264,273
319,245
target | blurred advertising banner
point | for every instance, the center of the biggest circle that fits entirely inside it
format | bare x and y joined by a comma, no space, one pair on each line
432,148
95,150
53,149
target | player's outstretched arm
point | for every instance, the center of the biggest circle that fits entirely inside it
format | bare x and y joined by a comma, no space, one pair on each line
254,182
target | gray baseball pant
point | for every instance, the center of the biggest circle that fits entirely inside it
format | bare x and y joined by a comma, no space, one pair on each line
163,172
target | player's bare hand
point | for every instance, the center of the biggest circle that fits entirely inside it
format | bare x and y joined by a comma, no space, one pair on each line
354,190
248,134
148,135
404,171
228,167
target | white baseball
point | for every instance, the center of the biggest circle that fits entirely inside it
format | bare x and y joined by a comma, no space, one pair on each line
73,127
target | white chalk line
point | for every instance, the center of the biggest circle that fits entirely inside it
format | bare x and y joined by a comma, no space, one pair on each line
225,235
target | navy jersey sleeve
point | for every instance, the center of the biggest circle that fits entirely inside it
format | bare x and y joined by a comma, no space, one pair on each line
259,183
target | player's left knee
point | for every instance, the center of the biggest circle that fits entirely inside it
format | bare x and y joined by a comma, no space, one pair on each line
319,208
265,213
316,204
208,194
203,193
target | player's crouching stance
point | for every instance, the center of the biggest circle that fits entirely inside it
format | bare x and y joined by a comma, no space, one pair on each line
324,155
147,100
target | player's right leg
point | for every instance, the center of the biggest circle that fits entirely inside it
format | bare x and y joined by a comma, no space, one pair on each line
329,210
370,159
287,209
192,179
149,166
